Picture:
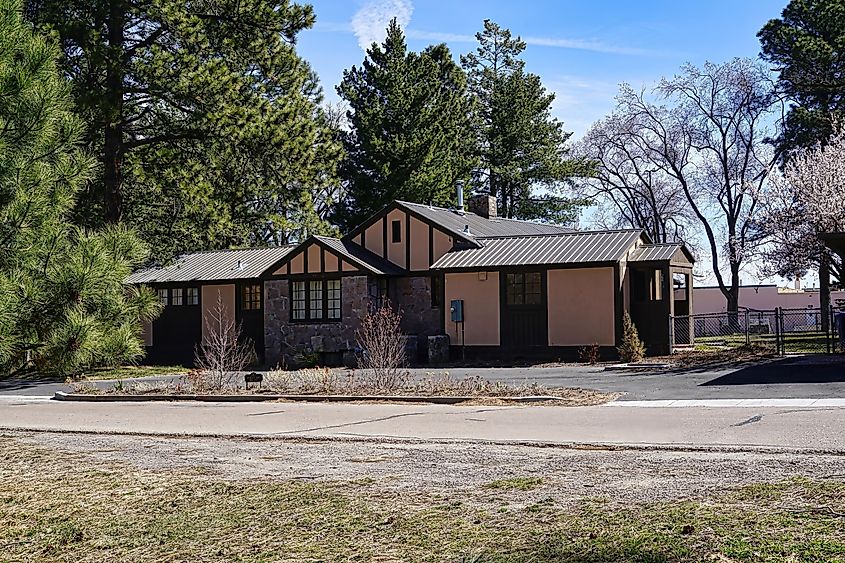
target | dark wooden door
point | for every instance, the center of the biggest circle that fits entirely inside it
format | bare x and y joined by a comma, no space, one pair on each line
524,316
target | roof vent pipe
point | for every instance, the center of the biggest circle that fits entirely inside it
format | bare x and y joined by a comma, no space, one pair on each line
461,197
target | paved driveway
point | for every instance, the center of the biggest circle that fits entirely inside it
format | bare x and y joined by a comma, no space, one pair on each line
810,377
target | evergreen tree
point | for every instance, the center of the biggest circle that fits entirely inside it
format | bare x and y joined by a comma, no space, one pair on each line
63,305
409,120
204,118
807,46
521,148
632,348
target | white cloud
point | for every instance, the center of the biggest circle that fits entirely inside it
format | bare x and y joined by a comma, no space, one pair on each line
371,20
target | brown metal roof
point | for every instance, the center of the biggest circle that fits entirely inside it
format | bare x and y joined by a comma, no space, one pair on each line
357,254
564,248
658,252
455,222
215,265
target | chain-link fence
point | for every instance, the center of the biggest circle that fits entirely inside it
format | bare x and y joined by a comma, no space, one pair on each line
784,331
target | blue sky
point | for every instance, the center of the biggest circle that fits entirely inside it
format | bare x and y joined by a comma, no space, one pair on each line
582,50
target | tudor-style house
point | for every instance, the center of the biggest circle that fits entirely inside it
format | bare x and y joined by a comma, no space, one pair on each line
484,285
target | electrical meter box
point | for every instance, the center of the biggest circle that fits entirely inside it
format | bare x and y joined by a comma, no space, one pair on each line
457,310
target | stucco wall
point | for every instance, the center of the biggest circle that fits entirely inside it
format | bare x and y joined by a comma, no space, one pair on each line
374,238
209,302
396,251
442,243
581,307
481,308
419,245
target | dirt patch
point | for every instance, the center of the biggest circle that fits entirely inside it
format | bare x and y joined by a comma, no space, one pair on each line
566,475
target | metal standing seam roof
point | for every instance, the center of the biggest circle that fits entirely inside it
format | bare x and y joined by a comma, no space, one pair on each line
654,252
356,253
214,265
564,248
452,220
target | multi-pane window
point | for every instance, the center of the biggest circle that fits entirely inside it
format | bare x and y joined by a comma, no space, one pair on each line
251,297
333,299
192,295
524,289
316,300
298,299
162,296
176,296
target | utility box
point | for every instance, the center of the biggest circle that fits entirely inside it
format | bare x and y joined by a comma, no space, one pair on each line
457,310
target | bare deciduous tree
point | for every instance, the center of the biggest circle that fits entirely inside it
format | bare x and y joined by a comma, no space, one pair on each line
382,348
702,135
634,192
804,201
223,352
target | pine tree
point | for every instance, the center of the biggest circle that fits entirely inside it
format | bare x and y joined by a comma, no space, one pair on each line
63,305
409,119
521,147
203,116
632,348
807,46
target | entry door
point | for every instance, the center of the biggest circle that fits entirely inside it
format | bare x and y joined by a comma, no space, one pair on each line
524,314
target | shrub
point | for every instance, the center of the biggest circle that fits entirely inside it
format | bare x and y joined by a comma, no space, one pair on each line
223,352
632,348
589,354
382,344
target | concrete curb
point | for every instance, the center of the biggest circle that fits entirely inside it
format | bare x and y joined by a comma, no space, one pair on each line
116,398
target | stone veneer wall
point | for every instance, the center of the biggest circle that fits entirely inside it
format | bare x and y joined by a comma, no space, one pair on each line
283,339
413,296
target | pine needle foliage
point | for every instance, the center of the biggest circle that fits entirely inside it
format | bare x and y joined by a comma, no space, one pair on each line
632,348
63,304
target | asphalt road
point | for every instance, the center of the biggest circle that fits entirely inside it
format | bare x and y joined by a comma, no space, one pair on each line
815,377
787,427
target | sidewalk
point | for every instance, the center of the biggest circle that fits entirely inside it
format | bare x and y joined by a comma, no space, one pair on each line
802,428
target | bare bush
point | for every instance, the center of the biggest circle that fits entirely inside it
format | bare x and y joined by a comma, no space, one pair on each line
222,353
382,344
589,354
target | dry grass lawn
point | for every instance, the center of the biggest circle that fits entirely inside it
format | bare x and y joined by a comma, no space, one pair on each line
59,506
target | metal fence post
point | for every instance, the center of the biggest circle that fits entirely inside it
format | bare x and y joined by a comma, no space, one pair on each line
778,332
671,335
747,335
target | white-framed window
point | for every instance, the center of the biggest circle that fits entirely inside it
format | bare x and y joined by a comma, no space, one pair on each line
298,300
176,296
162,296
192,296
333,299
315,300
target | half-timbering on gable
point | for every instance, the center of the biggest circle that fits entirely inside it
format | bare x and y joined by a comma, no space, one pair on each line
489,286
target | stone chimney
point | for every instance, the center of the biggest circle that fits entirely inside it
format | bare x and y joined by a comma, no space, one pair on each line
484,205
